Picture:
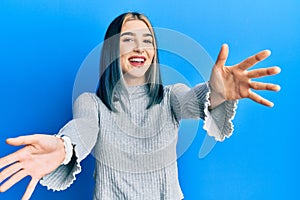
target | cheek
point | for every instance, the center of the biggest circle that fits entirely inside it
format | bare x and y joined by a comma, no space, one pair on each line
123,62
151,55
126,48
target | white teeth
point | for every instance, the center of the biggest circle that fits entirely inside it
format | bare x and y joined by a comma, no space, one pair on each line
136,60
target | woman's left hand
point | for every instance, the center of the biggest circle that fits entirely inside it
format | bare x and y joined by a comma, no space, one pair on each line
234,82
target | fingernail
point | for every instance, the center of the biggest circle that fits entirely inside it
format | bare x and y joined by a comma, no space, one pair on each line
278,88
268,51
278,69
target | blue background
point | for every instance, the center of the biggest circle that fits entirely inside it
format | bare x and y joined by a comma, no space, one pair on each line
43,44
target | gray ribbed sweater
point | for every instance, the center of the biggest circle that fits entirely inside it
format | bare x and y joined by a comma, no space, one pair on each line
135,149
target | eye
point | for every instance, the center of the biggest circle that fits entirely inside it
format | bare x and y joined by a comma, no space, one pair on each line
148,41
127,40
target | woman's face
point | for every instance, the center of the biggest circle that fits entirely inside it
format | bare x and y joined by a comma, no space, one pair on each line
136,51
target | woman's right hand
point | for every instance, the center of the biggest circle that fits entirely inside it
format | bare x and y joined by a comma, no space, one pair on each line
41,155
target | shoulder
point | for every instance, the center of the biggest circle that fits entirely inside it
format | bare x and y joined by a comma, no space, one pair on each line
87,96
172,92
174,88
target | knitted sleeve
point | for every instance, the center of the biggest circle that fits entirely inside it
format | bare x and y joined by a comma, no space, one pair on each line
83,131
193,103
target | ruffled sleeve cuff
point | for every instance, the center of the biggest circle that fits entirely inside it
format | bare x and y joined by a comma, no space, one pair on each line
82,131
218,121
63,176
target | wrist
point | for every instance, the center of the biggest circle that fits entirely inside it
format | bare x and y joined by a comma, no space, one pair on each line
68,148
215,98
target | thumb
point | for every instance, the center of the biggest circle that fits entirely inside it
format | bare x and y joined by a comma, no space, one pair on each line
222,57
22,140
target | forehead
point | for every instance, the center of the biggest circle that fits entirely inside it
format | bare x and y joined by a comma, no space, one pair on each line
135,26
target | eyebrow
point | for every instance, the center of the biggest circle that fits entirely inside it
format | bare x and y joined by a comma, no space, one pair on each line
133,34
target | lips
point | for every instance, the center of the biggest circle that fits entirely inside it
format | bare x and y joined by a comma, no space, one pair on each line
137,61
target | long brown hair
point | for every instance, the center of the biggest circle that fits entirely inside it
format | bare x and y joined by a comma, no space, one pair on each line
110,69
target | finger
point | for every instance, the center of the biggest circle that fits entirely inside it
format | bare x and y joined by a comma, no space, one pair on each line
252,60
257,98
30,188
222,57
10,171
22,140
9,159
13,180
264,86
257,73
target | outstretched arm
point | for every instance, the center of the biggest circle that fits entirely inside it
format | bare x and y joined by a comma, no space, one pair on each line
40,155
235,82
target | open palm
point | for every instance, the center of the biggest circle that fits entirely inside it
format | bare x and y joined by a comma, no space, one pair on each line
41,155
234,82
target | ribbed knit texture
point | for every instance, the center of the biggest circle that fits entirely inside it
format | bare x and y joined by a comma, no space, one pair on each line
135,148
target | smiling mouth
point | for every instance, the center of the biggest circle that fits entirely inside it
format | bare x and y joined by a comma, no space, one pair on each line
137,61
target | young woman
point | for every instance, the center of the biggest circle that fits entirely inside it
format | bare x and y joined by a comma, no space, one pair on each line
132,120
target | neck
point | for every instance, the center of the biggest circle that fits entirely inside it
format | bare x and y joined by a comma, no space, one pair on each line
134,81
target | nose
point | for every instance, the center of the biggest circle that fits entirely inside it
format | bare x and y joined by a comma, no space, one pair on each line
139,48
